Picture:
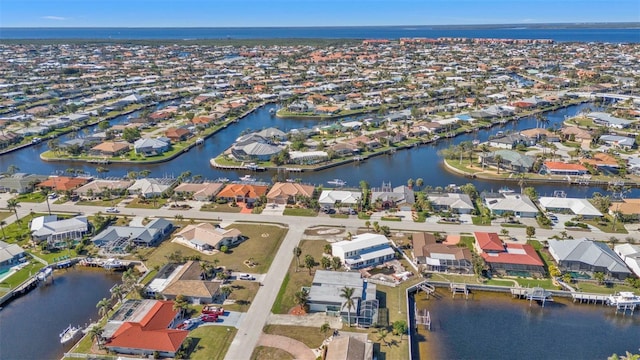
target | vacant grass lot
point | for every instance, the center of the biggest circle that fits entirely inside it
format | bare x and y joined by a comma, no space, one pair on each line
211,342
269,353
310,336
138,203
221,208
300,212
262,244
34,197
102,202
243,293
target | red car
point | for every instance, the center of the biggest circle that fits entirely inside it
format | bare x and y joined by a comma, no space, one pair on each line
209,318
213,310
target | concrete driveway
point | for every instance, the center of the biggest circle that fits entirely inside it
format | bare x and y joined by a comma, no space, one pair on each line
273,209
230,318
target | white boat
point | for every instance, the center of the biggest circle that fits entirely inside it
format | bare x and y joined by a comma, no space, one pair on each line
248,178
221,180
199,141
624,298
337,182
500,133
475,142
44,274
505,190
272,111
69,333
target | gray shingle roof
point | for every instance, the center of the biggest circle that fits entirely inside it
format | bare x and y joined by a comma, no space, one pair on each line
589,252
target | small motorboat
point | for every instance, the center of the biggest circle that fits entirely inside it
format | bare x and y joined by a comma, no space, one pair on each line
337,182
69,333
248,178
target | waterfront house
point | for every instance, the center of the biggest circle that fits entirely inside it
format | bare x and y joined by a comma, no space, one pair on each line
58,233
289,193
439,257
629,209
387,197
584,255
99,187
272,133
510,141
144,328
574,133
604,119
349,347
456,203
9,138
207,237
617,141
508,258
10,255
630,254
502,203
510,160
20,182
602,161
324,296
363,250
535,135
329,198
118,239
254,147
149,188
109,148
62,183
561,168
575,206
205,191
189,281
177,134
242,192
151,147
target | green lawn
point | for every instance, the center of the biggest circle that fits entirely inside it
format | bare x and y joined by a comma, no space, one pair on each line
310,336
138,203
104,202
211,342
243,293
262,244
34,197
55,255
513,225
300,212
5,214
23,274
607,226
269,353
227,208
481,221
590,287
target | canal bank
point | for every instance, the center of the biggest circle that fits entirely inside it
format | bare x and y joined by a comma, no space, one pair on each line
30,325
492,325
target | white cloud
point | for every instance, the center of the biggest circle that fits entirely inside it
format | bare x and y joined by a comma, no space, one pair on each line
57,18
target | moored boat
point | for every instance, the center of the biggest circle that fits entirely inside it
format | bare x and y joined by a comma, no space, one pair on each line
624,298
69,333
337,182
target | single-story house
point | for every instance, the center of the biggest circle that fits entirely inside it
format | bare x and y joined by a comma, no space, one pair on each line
573,206
329,198
117,239
457,203
20,182
150,147
205,191
510,160
177,134
630,254
206,236
622,142
363,250
349,348
149,188
62,183
144,328
325,291
99,186
58,232
607,120
110,148
561,168
401,197
589,256
509,258
501,203
10,254
187,280
242,192
629,208
510,141
439,257
288,193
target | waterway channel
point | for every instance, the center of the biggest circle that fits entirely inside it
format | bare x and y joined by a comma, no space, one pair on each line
421,162
30,325
495,326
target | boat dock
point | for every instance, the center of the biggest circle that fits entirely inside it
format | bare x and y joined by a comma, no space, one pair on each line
459,289
590,298
531,294
423,317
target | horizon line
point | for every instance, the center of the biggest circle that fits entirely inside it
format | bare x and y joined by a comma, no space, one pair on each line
636,23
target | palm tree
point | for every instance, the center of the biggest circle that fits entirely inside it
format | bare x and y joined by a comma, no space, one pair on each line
204,267
13,205
101,170
144,173
297,252
347,294
103,307
46,197
95,333
498,160
382,336
301,297
181,304
226,291
118,292
324,328
419,183
309,262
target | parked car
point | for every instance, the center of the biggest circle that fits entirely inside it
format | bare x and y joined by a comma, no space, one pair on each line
53,196
209,318
212,310
246,277
112,210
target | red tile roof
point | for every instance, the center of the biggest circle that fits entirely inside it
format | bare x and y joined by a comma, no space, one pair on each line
555,165
488,241
516,254
152,332
63,183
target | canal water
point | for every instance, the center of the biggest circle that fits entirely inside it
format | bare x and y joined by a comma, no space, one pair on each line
421,162
495,326
30,325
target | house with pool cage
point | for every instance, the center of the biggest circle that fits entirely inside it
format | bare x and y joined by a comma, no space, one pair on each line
325,296
120,239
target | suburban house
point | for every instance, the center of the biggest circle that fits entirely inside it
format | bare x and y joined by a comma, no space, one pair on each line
20,182
97,188
151,147
400,197
206,236
62,183
117,239
628,208
149,188
509,258
242,192
621,142
363,250
110,148
607,120
325,291
537,134
10,254
630,254
254,147
509,160
510,141
187,280
144,327
58,232
289,193
177,134
205,191
561,168
502,203
573,206
574,133
588,256
456,203
349,348
329,198
440,257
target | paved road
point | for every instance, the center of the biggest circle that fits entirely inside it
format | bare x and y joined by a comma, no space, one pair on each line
250,326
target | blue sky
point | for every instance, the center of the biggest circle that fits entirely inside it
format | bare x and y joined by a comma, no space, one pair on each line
254,13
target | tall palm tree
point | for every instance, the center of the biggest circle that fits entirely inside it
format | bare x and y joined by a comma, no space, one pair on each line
301,297
498,160
419,183
103,307
347,294
13,205
181,304
12,169
382,336
46,198
297,252
118,292
324,328
95,333
2,224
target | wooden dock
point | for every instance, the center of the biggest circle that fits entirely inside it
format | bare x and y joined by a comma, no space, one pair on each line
531,294
589,298
459,289
423,317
